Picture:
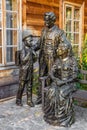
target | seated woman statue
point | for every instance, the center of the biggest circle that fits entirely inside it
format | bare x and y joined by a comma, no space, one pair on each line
58,109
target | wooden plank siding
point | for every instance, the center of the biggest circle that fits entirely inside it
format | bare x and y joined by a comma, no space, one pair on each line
75,2
85,17
35,10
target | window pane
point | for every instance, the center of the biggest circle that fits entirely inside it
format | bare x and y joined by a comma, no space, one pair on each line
0,37
76,14
11,4
76,26
10,55
0,20
68,26
68,12
14,51
11,37
76,38
75,50
68,35
0,55
11,20
0,4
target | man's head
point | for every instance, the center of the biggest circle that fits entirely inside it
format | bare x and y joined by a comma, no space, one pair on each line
49,19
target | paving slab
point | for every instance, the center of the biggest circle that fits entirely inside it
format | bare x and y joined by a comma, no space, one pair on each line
13,117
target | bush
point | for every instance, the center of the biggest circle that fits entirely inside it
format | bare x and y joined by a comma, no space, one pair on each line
82,63
84,54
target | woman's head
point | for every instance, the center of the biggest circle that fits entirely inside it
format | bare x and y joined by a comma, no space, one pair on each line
63,49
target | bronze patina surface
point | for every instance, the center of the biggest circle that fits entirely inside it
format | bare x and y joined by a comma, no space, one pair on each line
26,69
51,37
58,109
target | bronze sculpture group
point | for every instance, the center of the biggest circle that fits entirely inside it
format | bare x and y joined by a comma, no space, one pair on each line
57,63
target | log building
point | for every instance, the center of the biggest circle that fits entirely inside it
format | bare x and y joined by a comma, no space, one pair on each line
16,15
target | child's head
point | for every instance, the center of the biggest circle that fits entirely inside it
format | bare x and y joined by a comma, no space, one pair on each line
28,41
27,38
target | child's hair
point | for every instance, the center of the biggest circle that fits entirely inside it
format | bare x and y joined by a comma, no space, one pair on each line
26,33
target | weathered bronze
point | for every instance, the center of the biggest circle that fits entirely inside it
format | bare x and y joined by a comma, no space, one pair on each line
51,37
58,109
26,69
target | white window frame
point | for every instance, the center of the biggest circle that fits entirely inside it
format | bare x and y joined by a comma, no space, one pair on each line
4,29
81,22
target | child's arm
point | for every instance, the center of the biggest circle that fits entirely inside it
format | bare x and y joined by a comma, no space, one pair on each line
24,58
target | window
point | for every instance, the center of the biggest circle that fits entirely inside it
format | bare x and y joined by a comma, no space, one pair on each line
10,28
72,25
0,32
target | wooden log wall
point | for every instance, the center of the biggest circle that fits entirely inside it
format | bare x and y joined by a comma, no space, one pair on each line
35,10
85,17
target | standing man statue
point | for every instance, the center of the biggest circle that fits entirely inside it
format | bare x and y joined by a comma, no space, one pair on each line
26,69
51,37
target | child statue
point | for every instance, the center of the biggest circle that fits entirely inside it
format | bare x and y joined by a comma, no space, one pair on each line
26,69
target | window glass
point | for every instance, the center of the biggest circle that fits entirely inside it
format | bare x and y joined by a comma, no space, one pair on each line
68,36
75,50
76,13
0,4
0,19
0,55
76,38
76,26
68,26
0,37
11,37
9,28
72,25
10,54
68,12
11,20
11,4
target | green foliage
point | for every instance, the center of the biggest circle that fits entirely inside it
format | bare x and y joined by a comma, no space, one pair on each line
35,82
82,64
75,102
84,54
83,86
78,85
